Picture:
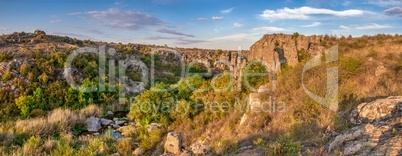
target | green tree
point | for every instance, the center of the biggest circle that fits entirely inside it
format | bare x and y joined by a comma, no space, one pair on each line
39,99
25,104
153,105
187,86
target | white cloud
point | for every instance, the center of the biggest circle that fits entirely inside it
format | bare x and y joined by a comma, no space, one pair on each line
217,17
202,19
227,11
217,30
173,32
372,26
237,25
385,3
118,19
55,21
269,29
312,24
395,11
305,13
344,27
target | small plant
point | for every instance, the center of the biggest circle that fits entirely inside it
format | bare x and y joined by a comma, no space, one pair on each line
7,76
78,129
260,142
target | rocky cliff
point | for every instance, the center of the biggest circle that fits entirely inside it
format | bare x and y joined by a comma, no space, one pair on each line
271,46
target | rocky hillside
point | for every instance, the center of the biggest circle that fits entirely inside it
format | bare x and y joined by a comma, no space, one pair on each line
201,114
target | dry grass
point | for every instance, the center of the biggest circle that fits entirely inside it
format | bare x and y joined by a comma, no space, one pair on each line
125,146
90,110
60,120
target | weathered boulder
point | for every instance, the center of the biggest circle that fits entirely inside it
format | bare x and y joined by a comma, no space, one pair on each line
377,129
93,124
377,110
200,149
106,122
120,122
173,144
138,151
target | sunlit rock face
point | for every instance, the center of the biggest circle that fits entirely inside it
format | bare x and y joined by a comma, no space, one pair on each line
277,49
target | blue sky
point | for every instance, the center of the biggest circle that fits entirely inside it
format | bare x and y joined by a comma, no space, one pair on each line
215,24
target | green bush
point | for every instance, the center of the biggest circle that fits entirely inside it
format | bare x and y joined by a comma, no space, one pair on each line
350,64
5,57
255,74
25,104
7,76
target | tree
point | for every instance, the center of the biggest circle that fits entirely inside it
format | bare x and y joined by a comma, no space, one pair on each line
25,104
39,100
296,35
24,69
154,104
187,86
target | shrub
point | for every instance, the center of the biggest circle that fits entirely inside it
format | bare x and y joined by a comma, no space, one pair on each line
150,139
60,120
125,146
350,64
36,126
225,146
63,119
24,69
255,74
90,110
373,53
63,148
49,145
153,104
25,104
32,146
6,76
5,57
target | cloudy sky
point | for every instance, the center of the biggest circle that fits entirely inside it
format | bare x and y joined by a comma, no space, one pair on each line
224,24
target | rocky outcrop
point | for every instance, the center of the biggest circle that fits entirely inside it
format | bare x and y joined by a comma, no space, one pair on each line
173,144
93,124
270,48
377,129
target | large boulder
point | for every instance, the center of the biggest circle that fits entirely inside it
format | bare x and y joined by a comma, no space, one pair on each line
377,129
173,144
93,124
138,151
106,122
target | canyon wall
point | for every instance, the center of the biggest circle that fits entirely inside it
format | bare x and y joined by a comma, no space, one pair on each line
264,49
